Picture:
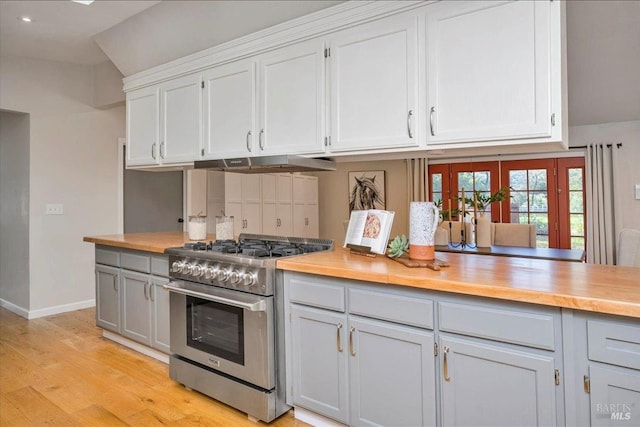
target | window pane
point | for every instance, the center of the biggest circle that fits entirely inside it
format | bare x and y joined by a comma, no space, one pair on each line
576,204
577,243
437,197
520,218
518,180
483,181
577,224
542,241
519,201
465,180
538,202
436,183
541,220
575,179
537,179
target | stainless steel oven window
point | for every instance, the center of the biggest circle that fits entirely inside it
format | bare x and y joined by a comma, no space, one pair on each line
216,329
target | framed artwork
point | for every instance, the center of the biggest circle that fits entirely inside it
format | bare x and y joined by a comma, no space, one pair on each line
367,190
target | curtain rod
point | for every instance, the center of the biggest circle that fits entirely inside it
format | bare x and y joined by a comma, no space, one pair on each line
618,145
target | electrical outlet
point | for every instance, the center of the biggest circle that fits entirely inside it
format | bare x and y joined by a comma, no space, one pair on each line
54,209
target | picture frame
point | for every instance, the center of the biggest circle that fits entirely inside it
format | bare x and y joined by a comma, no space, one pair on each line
367,190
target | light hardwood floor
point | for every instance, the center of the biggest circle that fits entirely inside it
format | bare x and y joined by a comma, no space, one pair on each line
60,371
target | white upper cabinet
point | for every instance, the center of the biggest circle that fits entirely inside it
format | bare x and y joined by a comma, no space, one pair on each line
490,69
164,123
291,101
143,126
229,111
374,85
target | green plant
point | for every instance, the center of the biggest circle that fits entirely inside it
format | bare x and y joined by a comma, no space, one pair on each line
483,200
398,246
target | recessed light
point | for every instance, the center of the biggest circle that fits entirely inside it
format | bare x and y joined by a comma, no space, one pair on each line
84,2
25,19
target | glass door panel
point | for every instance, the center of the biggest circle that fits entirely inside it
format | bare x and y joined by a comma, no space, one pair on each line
571,203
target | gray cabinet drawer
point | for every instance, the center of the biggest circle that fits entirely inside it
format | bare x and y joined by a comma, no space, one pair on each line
107,257
614,343
505,325
316,293
136,262
160,266
395,308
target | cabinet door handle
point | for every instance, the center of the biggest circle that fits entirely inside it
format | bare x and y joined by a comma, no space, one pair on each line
351,350
248,141
260,139
162,150
409,115
338,340
153,151
445,365
115,283
433,110
151,292
146,291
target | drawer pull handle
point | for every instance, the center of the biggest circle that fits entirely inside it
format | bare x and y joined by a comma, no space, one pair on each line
248,143
433,110
409,124
351,331
146,291
338,340
445,365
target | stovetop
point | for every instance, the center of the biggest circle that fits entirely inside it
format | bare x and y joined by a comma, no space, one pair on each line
248,264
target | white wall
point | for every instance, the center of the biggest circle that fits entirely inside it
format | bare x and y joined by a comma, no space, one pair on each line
628,172
14,209
73,161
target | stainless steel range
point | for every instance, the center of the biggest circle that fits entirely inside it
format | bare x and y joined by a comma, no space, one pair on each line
227,319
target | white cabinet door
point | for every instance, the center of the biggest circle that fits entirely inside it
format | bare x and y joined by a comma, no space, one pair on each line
243,201
181,120
277,208
107,298
143,126
305,206
136,310
229,111
374,85
488,70
159,298
292,85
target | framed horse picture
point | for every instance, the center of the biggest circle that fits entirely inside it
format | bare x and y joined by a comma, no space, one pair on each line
367,190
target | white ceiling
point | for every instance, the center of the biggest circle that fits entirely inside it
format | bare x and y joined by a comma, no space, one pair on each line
61,30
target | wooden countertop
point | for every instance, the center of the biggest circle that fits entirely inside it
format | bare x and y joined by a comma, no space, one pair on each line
150,242
589,287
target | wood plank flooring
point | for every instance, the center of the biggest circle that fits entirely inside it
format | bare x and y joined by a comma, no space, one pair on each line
60,371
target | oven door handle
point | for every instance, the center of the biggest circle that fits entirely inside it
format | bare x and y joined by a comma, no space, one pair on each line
255,306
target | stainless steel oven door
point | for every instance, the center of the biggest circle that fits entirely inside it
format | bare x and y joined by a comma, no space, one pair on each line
229,331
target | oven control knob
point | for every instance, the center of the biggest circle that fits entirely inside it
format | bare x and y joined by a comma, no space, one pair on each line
223,275
197,270
210,273
249,279
187,268
234,277
177,266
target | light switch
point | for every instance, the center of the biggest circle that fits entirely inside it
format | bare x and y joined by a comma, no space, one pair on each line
54,209
637,191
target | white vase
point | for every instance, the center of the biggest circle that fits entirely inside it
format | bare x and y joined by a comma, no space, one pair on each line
483,231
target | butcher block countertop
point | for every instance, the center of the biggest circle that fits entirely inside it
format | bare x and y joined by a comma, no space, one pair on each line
589,287
149,242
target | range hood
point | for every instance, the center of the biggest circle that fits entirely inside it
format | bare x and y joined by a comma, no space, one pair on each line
267,164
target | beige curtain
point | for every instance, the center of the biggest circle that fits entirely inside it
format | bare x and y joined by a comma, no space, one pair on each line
417,187
603,213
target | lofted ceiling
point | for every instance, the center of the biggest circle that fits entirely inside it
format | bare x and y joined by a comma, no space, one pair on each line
603,40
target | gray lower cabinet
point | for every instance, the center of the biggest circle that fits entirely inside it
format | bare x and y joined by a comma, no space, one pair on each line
107,297
130,298
487,384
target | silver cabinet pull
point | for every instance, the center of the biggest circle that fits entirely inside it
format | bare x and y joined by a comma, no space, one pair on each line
340,349
115,283
409,115
248,141
260,139
153,151
433,110
151,292
445,365
146,291
351,350
162,150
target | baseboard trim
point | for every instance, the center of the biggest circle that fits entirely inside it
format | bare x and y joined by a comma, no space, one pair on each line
314,419
49,311
140,348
